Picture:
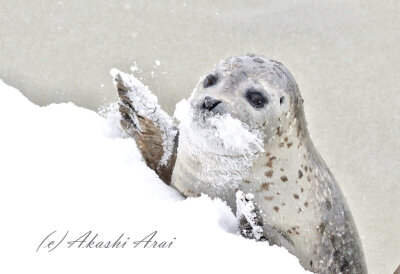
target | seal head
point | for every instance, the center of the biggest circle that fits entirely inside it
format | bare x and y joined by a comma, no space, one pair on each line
256,90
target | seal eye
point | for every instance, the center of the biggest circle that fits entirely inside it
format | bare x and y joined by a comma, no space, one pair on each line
210,80
282,100
255,98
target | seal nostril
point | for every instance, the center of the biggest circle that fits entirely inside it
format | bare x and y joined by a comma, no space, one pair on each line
210,103
282,100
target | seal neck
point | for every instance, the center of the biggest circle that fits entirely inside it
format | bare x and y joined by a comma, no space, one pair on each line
291,144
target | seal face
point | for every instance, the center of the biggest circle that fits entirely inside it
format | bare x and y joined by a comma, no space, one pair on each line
301,205
243,131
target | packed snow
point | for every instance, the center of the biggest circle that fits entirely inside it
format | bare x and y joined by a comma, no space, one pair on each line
66,170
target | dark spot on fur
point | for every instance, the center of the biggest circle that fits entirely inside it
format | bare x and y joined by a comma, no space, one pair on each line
276,208
269,198
321,228
267,154
269,173
296,196
306,168
295,229
308,178
300,174
278,71
328,204
284,179
278,193
286,139
298,130
282,169
246,181
344,268
276,62
332,239
311,263
265,186
269,163
258,60
279,131
283,204
289,145
281,144
306,204
336,254
300,210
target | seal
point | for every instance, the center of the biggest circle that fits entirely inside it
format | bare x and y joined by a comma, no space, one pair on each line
242,137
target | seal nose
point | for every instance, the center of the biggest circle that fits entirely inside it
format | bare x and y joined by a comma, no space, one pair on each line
210,103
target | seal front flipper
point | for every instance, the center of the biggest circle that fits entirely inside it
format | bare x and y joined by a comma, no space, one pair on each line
252,226
143,119
248,215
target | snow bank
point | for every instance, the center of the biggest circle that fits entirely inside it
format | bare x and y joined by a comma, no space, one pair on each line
65,169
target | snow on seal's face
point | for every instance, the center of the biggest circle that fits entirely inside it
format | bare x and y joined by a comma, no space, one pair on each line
219,134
